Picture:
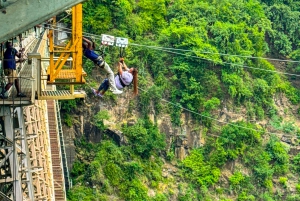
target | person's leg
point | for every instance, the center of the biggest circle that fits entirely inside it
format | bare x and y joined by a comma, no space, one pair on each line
104,88
9,74
19,93
17,85
7,87
103,85
111,79
100,62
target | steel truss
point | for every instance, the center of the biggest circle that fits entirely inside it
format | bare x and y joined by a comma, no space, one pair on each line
25,157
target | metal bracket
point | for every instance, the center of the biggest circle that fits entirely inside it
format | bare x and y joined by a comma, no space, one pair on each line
107,39
121,42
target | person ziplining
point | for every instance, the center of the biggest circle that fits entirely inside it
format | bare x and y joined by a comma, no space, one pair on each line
123,79
88,51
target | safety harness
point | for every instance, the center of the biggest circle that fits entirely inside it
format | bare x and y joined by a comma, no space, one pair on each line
121,81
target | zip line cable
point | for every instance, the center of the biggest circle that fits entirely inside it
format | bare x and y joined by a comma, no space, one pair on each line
222,54
214,119
184,50
228,63
239,65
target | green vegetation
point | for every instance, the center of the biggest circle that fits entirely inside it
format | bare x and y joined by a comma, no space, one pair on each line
200,72
122,170
98,119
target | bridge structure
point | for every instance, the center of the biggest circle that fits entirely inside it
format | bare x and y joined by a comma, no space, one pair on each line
32,155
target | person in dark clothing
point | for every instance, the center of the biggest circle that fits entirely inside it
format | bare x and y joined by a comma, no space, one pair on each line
9,66
88,51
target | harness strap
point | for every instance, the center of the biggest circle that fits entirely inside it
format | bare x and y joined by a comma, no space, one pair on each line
121,81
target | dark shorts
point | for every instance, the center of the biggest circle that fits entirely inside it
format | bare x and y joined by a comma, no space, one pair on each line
11,74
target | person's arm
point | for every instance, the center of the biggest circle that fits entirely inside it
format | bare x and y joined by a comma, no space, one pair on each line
120,70
19,54
125,66
90,43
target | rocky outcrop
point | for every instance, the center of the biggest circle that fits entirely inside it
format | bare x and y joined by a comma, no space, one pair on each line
117,136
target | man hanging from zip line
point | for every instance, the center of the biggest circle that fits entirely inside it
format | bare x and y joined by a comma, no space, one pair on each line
9,66
88,51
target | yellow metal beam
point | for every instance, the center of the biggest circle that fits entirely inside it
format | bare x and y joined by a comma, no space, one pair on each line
62,55
46,92
51,50
77,35
73,49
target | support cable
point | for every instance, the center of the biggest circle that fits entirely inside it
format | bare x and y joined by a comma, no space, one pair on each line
239,65
216,53
185,50
221,62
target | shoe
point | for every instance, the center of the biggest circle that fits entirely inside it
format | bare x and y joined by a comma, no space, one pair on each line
2,96
21,95
100,95
116,91
94,92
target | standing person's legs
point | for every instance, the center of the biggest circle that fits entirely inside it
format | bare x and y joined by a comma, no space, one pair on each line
111,79
12,78
17,85
10,75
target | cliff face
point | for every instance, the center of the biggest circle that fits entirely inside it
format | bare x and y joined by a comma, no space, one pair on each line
123,109
178,139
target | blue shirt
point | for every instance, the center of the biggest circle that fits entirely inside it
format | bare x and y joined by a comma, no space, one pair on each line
90,54
9,58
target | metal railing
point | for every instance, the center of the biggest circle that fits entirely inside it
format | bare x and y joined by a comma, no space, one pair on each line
62,147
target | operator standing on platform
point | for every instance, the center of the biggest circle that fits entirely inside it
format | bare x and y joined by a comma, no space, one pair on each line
9,66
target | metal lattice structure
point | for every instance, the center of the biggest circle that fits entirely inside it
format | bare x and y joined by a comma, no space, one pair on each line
36,121
25,155
16,176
